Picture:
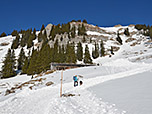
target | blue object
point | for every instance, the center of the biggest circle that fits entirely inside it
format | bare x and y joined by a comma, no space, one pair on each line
75,78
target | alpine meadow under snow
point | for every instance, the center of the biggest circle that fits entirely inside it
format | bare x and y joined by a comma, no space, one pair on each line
118,83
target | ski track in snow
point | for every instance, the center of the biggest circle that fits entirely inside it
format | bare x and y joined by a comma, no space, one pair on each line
47,100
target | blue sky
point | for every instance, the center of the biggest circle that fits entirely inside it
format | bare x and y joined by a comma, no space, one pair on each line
24,14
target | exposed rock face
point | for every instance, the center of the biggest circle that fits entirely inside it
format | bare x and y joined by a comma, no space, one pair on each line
131,25
48,29
118,25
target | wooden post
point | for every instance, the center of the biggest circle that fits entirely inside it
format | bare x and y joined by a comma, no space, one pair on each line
61,83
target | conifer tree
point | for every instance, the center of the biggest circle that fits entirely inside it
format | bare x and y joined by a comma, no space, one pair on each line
73,54
8,69
73,32
16,42
52,33
60,54
81,30
119,39
26,37
95,52
3,34
63,57
44,37
25,66
61,39
30,41
151,32
84,21
87,58
84,39
13,60
79,51
32,64
21,59
43,59
43,27
102,49
55,56
126,32
34,31
40,37
70,53
23,41
14,33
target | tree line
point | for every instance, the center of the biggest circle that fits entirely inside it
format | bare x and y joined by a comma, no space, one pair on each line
147,30
38,60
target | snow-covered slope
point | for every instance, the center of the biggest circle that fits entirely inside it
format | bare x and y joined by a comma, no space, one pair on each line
46,99
132,94
110,88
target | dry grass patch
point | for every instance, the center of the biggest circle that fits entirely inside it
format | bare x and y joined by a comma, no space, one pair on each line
49,83
49,72
32,82
130,40
4,44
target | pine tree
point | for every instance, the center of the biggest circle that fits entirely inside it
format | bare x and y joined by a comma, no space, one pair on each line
43,27
21,59
61,39
25,66
84,39
16,42
30,41
79,51
102,49
84,21
87,58
3,34
70,54
25,38
32,63
151,32
14,33
34,31
73,32
8,69
81,30
52,33
95,52
126,32
63,57
43,59
55,56
40,37
73,54
44,37
119,39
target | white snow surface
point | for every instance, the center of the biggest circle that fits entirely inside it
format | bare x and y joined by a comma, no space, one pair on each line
119,85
